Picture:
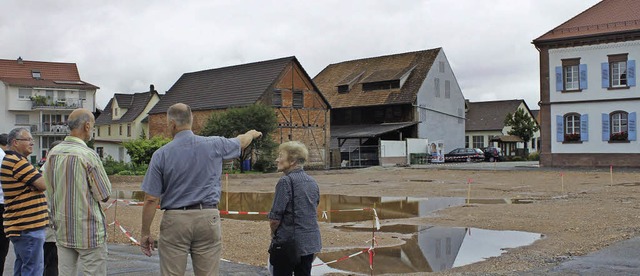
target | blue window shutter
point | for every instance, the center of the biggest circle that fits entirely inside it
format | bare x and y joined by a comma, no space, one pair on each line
583,76
632,126
631,72
559,78
605,127
559,128
605,75
584,127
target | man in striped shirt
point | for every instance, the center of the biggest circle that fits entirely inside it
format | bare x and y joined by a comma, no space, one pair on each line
25,214
76,183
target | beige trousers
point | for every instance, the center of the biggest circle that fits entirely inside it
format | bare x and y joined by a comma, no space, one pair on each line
195,232
93,260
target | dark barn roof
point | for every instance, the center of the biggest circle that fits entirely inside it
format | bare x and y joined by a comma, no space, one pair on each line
238,85
489,115
135,104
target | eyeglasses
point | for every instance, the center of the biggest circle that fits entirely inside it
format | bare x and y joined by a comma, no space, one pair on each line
30,139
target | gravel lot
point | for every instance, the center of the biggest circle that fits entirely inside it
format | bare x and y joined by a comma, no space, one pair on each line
577,211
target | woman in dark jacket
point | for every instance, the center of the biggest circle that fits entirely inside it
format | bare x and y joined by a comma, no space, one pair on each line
304,227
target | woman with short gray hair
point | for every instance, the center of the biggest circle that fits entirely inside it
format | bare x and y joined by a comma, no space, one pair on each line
294,214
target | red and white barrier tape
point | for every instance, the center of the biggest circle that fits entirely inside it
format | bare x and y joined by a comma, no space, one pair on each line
324,213
343,258
128,202
242,213
375,215
125,232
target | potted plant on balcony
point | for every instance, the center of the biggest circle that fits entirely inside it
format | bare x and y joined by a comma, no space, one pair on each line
619,136
572,137
39,100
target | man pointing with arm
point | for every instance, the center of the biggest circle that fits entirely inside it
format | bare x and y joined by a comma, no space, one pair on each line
185,174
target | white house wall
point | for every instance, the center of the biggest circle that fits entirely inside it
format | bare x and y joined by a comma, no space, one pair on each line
593,56
115,150
5,125
441,118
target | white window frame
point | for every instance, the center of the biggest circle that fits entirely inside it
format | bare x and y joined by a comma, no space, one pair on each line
619,74
619,123
20,119
478,141
572,124
22,94
571,77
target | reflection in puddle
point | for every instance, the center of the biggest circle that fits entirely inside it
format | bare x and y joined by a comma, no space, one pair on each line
430,249
337,206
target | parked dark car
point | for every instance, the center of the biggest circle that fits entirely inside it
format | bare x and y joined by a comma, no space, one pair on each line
493,154
464,155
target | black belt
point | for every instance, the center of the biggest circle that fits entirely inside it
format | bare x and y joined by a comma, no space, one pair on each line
197,206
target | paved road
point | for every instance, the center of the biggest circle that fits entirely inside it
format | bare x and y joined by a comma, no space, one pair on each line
621,258
127,260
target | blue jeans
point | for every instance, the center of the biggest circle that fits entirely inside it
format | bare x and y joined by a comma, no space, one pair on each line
28,248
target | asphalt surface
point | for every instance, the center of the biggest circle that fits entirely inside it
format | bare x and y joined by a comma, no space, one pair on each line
128,260
621,258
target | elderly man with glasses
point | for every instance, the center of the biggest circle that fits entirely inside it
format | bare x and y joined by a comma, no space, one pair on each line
25,214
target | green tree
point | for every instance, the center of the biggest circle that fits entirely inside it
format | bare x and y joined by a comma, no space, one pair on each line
522,125
141,150
236,121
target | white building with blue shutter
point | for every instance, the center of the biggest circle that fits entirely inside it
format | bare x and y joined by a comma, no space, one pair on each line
589,94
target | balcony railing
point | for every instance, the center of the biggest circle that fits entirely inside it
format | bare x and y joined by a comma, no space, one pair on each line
50,129
41,102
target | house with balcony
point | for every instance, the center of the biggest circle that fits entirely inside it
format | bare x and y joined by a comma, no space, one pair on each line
123,119
588,91
485,127
40,96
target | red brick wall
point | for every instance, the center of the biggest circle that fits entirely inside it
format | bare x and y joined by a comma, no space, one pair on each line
158,122
309,125
593,160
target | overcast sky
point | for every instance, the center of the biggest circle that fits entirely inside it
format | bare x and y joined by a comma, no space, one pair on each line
122,46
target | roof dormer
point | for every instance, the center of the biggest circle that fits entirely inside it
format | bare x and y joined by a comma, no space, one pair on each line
36,74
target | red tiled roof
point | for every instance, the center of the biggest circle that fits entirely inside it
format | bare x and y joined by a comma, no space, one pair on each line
51,74
374,69
606,17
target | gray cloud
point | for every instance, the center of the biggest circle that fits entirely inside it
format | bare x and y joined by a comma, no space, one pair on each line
123,46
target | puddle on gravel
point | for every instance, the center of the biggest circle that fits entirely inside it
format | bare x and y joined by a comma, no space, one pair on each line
341,208
430,249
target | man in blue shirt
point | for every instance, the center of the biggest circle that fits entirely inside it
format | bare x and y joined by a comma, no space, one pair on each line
185,174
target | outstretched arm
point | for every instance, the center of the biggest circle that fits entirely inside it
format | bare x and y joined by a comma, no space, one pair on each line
245,139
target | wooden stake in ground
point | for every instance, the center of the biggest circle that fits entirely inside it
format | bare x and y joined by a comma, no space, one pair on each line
611,173
373,238
469,191
115,214
226,189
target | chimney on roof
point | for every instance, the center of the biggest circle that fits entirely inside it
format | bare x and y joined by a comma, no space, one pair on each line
152,88
19,60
